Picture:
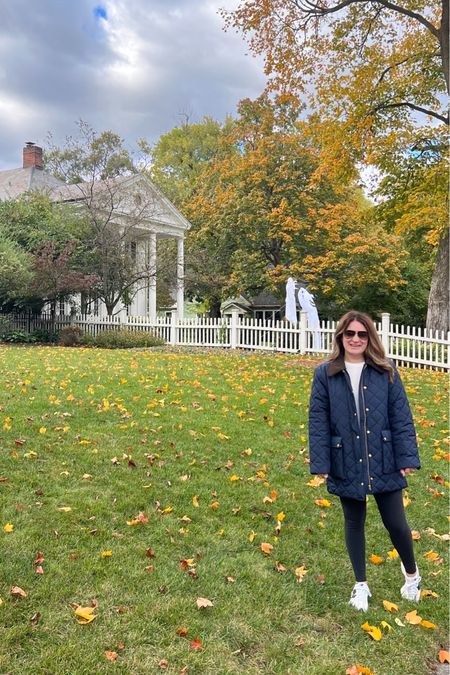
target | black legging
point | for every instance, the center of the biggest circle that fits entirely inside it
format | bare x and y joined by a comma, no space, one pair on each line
390,506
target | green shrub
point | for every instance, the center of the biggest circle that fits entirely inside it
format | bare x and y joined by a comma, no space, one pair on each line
17,336
123,339
70,336
44,335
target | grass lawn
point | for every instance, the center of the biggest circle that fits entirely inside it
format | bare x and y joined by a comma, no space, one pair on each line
149,479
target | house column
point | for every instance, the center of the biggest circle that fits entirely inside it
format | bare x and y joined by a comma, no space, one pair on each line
152,276
180,277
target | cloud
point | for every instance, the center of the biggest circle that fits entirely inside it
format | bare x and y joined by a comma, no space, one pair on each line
124,65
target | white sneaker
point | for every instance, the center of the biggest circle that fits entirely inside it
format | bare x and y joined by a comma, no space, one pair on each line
359,598
411,588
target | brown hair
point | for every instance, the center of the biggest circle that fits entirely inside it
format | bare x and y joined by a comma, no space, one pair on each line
374,349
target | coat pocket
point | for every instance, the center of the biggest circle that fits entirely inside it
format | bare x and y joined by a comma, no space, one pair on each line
337,457
388,452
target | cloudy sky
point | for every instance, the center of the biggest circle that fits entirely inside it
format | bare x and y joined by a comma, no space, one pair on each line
133,66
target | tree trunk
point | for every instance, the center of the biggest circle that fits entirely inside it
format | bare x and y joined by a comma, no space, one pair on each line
438,301
214,311
444,41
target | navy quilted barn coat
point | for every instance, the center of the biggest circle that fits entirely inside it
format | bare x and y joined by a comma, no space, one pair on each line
360,457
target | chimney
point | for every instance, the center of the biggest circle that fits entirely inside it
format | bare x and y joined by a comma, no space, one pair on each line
32,156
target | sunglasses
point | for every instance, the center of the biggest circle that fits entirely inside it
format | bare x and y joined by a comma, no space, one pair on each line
362,334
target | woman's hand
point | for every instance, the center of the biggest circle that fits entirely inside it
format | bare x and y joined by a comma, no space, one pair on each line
406,472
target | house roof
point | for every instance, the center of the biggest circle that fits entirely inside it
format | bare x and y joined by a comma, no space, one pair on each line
162,214
14,182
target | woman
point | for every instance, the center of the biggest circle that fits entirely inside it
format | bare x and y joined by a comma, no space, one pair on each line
362,440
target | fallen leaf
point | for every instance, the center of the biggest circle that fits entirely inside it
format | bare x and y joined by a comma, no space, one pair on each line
251,536
376,559
280,567
316,481
85,615
64,509
444,656
393,555
163,664
300,573
413,617
266,548
390,606
373,631
204,602
415,535
111,656
182,631
357,669
196,645
106,554
427,624
431,555
8,527
195,501
18,592
150,553
323,503
386,626
35,618
39,569
428,594
399,622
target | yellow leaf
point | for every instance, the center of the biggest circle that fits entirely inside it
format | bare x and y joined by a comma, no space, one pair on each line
322,503
8,527
300,572
266,548
428,594
357,669
195,501
399,622
106,554
214,505
376,559
427,624
431,555
281,516
251,536
316,481
373,631
43,430
64,509
415,535
390,606
393,554
234,477
386,626
85,615
223,437
413,617
168,509
406,499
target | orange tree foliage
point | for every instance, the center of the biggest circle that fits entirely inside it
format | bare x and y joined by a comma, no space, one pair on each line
376,73
266,208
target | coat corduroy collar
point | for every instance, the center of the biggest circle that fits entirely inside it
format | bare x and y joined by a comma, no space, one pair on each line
338,365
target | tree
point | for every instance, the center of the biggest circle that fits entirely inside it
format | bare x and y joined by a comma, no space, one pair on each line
54,278
15,272
178,161
270,213
107,188
376,72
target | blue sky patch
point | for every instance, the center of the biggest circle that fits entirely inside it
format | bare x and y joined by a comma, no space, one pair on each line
100,12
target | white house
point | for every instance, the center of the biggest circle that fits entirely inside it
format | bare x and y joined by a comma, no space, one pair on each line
132,201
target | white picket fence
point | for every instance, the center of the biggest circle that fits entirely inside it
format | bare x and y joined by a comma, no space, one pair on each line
407,346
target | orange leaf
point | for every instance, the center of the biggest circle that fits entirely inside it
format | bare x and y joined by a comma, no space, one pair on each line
111,656
300,573
323,503
266,548
182,631
196,645
357,669
195,501
376,559
444,656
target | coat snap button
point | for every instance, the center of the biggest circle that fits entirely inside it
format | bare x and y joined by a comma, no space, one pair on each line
367,409
370,455
357,436
361,459
368,431
364,387
362,483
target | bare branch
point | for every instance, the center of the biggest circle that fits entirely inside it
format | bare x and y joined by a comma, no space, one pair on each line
413,106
